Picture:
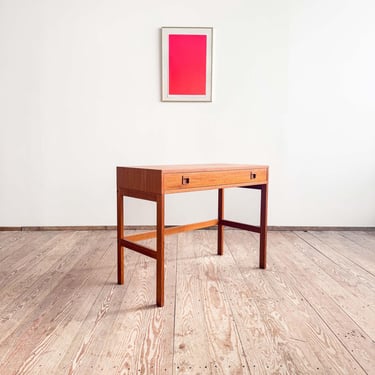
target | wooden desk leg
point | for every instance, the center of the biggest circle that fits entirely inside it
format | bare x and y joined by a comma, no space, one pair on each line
220,226
120,235
160,250
263,227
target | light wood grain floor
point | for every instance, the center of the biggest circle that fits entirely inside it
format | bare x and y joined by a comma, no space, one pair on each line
311,312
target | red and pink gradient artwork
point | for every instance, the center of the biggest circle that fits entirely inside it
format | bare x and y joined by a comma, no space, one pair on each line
187,64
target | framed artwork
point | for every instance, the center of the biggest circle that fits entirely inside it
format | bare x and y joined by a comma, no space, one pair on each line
187,64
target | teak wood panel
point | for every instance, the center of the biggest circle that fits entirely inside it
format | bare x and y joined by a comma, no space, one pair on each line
139,180
186,181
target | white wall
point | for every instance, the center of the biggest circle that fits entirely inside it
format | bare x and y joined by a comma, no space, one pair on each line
293,87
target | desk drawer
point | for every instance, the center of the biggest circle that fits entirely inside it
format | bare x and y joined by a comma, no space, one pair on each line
202,180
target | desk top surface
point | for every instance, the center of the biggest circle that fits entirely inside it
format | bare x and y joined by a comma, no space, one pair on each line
195,167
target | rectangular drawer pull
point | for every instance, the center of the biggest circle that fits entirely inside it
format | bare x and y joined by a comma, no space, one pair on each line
253,175
185,180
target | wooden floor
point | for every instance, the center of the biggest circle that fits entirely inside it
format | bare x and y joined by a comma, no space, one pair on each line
311,312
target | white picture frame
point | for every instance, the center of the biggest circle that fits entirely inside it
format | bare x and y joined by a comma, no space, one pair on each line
186,64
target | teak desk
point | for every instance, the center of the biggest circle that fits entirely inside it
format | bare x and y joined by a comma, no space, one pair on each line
153,182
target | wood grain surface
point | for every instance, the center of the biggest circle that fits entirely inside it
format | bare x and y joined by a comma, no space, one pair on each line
311,312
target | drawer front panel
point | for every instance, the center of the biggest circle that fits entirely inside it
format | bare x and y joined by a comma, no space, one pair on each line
202,180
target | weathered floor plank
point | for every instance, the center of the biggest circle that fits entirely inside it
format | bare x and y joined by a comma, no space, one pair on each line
10,242
48,303
334,357
267,325
358,253
311,312
22,250
203,314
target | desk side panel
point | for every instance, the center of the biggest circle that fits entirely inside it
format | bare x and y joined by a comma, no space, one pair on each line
139,180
